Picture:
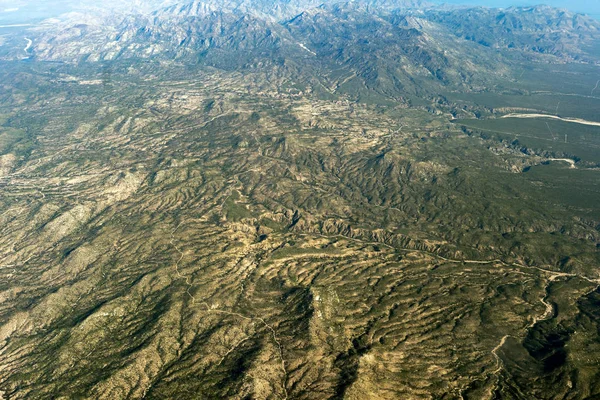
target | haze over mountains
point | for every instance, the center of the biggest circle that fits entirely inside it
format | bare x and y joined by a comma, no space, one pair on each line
582,6
23,11
293,200
390,46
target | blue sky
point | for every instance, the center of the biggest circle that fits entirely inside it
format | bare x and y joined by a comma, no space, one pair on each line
584,6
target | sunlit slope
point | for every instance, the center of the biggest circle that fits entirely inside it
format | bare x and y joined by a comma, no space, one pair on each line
250,201
212,242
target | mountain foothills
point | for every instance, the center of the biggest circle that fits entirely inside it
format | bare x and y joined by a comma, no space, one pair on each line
296,200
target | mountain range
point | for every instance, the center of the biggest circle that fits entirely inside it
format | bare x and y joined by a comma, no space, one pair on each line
391,47
292,199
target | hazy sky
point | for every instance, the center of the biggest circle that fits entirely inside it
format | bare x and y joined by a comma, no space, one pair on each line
585,6
16,11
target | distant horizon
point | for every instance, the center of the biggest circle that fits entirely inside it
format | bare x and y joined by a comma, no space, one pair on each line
24,11
590,7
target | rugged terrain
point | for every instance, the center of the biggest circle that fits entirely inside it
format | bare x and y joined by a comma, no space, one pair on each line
291,200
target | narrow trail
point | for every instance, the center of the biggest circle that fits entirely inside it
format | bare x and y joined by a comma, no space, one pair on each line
213,309
554,274
546,93
595,87
210,309
186,278
25,186
549,309
554,137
